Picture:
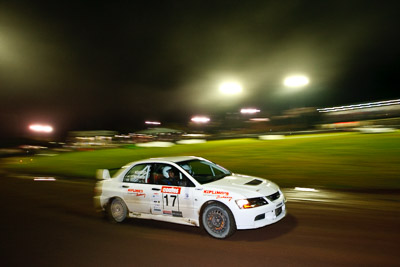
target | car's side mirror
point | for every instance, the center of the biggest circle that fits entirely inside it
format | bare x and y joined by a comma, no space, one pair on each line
103,174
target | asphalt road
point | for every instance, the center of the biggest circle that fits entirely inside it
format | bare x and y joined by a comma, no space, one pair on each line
52,223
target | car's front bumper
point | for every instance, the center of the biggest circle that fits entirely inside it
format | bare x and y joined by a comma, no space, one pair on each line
261,216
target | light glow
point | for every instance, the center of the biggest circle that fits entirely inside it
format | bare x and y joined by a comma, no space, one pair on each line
296,81
260,119
230,88
41,128
249,110
152,122
304,189
200,119
361,106
45,179
243,203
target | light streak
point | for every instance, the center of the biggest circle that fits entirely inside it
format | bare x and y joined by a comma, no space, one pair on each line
361,106
152,122
305,189
200,119
249,110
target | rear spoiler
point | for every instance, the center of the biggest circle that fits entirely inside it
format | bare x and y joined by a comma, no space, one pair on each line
103,174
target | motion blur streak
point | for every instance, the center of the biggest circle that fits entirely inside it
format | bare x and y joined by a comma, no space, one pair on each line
305,189
249,110
44,179
199,119
361,106
345,199
152,122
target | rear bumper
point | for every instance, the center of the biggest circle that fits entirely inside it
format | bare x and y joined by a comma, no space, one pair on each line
97,203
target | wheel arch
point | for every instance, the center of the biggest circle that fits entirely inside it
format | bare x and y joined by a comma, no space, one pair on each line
213,201
110,215
110,199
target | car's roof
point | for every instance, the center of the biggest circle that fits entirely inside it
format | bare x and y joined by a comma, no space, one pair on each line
174,159
164,159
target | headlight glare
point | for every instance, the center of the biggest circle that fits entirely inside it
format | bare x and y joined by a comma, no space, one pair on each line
242,202
251,202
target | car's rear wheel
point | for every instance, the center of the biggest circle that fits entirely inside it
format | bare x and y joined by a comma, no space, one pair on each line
218,221
117,210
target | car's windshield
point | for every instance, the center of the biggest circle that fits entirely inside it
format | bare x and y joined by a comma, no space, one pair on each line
204,171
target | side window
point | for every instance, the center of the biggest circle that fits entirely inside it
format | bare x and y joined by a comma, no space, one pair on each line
165,174
157,174
138,174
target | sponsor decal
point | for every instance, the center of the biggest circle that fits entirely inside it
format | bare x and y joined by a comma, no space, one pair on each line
131,190
167,212
176,213
218,194
215,192
226,197
136,192
171,190
157,208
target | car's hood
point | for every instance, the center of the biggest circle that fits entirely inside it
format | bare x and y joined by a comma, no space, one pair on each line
248,186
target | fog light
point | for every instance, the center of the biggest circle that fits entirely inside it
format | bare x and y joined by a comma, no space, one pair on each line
260,217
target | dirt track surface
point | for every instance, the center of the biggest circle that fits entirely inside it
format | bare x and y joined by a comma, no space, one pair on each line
53,224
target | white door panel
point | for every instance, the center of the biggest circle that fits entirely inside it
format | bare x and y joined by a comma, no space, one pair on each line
136,197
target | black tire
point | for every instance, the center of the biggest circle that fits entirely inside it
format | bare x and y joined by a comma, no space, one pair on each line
117,210
218,221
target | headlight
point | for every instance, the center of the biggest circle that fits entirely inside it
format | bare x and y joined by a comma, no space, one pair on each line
251,202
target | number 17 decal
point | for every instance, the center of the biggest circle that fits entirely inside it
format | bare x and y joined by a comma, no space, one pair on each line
170,200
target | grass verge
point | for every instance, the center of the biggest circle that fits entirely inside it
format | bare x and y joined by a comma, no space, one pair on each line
338,161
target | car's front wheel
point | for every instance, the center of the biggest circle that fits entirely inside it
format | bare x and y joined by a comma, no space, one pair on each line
117,210
218,221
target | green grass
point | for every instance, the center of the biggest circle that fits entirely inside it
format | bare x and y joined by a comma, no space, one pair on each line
339,161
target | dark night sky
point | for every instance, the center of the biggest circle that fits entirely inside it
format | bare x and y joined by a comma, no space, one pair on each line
111,65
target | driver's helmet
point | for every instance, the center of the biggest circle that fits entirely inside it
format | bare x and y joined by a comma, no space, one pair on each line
166,170
187,168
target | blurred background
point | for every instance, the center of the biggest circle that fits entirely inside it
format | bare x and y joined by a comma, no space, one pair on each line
112,70
302,93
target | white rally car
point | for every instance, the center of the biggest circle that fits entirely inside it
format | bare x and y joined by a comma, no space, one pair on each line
189,190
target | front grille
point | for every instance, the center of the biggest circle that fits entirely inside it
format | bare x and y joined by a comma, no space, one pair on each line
274,196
